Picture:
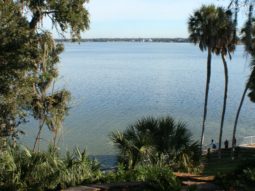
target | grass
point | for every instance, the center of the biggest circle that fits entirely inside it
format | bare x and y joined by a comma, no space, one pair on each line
225,165
214,165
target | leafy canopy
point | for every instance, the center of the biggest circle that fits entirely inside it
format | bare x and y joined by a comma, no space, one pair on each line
29,57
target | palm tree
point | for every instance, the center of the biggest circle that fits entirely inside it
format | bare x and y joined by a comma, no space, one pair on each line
201,26
154,140
251,85
248,40
225,44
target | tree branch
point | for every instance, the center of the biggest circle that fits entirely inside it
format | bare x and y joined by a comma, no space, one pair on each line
35,20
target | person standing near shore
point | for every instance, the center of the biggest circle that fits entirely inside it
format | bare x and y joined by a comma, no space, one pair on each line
226,144
213,145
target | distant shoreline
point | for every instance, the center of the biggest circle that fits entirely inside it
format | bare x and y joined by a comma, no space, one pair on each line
165,40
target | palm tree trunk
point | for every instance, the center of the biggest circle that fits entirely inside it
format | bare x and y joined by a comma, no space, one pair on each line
224,101
235,20
209,58
237,115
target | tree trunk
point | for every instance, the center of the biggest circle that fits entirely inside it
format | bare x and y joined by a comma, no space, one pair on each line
235,20
237,115
209,58
35,19
37,139
224,101
55,139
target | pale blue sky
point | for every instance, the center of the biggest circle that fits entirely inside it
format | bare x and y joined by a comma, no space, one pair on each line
142,18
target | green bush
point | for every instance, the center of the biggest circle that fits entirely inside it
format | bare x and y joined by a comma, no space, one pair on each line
21,169
243,178
158,141
156,177
159,178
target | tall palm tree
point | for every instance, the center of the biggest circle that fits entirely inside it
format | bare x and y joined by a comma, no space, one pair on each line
201,26
251,85
225,44
235,4
249,42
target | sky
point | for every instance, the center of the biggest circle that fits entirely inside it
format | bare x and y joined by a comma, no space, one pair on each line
142,18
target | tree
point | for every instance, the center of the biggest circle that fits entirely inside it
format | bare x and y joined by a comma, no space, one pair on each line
251,84
248,40
155,140
49,107
18,57
201,26
225,45
65,15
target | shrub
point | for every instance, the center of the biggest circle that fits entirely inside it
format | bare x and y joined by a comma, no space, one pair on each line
243,178
157,140
156,177
21,169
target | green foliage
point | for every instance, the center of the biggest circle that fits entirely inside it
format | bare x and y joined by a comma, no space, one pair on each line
159,178
213,30
213,27
159,141
251,84
248,38
243,178
49,107
156,177
65,14
70,14
225,39
201,26
21,169
28,62
18,57
248,32
28,68
80,169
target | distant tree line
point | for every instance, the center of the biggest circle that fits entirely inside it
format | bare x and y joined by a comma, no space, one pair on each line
128,40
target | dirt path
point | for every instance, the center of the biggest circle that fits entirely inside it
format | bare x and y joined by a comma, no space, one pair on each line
200,182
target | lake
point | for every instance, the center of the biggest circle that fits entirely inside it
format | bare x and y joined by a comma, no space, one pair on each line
116,83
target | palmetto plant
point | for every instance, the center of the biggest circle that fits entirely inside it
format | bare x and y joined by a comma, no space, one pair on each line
22,169
155,177
156,140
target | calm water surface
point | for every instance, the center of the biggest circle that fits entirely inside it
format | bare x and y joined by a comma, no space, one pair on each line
114,84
